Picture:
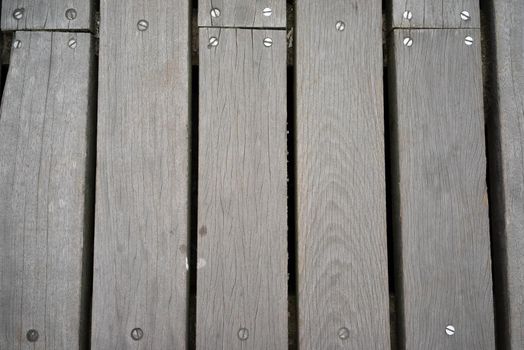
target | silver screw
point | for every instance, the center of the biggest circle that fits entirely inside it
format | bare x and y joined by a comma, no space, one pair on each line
450,330
268,42
213,41
32,335
465,15
17,44
267,12
243,334
215,12
72,43
18,14
408,15
137,334
343,333
340,26
408,41
142,25
71,14
468,40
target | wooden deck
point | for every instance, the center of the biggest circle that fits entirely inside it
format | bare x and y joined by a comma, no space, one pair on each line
247,174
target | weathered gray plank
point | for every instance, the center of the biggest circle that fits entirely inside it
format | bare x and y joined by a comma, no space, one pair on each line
45,156
47,14
506,131
242,192
435,13
441,202
140,278
341,199
242,13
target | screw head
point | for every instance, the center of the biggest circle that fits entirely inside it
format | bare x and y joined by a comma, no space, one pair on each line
142,25
137,334
71,14
268,42
468,40
32,335
407,15
450,330
407,41
465,16
213,42
72,43
17,44
343,333
243,334
340,26
267,12
215,12
18,13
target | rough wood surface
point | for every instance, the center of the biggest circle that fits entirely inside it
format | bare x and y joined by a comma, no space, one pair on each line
341,198
242,210
242,13
47,14
435,13
140,277
441,202
45,131
506,133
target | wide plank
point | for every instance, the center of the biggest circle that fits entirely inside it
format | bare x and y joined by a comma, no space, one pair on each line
242,13
242,205
46,191
341,197
141,235
440,195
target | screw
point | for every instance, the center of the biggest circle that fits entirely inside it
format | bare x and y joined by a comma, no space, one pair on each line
468,40
268,42
32,335
340,26
267,12
408,15
343,333
450,330
137,334
142,25
465,15
215,12
408,41
213,41
17,44
72,43
243,334
70,14
18,14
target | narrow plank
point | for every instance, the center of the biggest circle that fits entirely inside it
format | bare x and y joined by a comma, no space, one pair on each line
506,130
441,202
435,13
242,193
341,199
242,13
47,14
46,147
140,277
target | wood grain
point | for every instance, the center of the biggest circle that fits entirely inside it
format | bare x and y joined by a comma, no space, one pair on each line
46,126
435,13
242,208
441,202
47,14
242,13
140,277
341,199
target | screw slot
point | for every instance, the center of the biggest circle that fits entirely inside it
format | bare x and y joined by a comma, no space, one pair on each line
268,42
407,15
215,12
465,16
72,43
213,42
18,13
32,335
137,334
340,26
468,40
450,330
407,41
267,12
142,25
17,44
243,334
343,333
71,14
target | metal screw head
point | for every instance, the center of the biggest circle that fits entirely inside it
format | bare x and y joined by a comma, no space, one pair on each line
450,330
213,41
343,333
407,15
267,12
340,26
137,334
407,41
465,16
18,13
243,334
468,40
142,25
32,335
72,43
268,42
71,14
215,12
17,44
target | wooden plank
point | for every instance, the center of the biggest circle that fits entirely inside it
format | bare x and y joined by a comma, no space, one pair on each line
46,126
140,277
242,205
242,13
435,13
47,14
441,203
341,198
505,131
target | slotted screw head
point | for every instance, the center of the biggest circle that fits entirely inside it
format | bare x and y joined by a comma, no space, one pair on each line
407,41
32,335
343,333
243,334
18,13
450,330
465,15
468,40
215,12
142,25
407,15
340,26
17,44
137,334
213,41
71,14
267,12
72,43
268,42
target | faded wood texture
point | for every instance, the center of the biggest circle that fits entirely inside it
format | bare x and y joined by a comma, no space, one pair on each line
435,13
47,14
46,153
341,198
440,196
242,13
506,127
242,205
140,277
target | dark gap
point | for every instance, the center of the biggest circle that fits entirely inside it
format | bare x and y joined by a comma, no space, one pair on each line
5,54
